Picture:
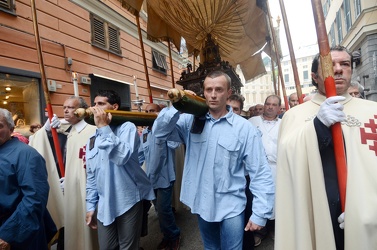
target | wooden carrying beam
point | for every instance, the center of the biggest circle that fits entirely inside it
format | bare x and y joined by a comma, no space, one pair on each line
188,103
119,117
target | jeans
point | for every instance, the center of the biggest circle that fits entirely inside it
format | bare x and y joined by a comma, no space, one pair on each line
165,213
226,235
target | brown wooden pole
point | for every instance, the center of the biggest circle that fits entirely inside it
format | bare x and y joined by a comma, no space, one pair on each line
273,70
277,58
291,52
328,75
144,60
45,88
193,62
171,65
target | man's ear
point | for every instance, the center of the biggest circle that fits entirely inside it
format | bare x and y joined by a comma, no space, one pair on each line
116,106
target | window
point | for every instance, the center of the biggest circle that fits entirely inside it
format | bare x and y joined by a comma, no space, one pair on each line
159,62
305,66
339,26
306,75
105,35
357,8
21,95
325,9
332,35
347,12
8,6
286,78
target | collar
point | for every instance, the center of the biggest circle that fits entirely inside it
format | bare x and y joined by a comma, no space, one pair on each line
80,126
228,116
319,98
273,120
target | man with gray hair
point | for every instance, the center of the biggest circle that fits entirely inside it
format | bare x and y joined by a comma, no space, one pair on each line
23,192
356,90
76,234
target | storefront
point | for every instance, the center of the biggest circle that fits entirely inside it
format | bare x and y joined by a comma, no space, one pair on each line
20,93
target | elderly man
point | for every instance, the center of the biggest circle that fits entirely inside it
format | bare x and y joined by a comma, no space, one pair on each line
23,192
76,234
293,100
308,210
213,184
258,109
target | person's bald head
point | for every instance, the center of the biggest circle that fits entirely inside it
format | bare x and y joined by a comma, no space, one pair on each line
293,100
258,109
152,108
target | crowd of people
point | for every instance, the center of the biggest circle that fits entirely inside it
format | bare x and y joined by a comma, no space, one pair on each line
274,174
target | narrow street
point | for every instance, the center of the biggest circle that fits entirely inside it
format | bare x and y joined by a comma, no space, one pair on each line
188,224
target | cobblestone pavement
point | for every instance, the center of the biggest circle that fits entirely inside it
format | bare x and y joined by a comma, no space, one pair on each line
190,239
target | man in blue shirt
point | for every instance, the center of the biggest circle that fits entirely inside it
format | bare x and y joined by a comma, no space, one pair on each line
159,161
24,220
115,180
213,183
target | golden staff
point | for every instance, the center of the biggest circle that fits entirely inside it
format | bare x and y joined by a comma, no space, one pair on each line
45,88
328,75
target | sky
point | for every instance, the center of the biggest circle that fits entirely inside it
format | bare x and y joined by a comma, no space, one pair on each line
300,20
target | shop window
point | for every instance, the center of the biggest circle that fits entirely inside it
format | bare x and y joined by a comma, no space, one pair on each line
21,96
105,35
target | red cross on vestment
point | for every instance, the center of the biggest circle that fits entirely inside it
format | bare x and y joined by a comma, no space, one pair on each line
370,136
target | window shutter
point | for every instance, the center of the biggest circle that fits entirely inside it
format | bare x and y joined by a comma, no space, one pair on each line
5,4
99,32
114,40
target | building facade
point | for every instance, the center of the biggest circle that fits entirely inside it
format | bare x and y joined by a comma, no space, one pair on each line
257,90
304,58
86,45
353,24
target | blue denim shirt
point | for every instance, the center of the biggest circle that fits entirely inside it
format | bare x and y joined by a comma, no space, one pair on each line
159,159
213,183
115,179
23,195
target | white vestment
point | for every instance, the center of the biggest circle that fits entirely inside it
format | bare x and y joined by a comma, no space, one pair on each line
55,204
77,235
302,210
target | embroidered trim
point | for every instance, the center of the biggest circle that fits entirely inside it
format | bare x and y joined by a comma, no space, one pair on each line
351,121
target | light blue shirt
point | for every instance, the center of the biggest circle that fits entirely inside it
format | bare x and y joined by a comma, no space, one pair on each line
213,183
159,159
115,180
